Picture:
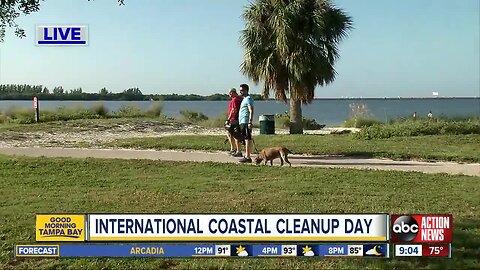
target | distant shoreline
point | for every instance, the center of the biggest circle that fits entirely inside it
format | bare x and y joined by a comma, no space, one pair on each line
28,92
206,99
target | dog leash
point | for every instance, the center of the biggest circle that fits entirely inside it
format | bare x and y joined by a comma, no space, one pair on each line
254,145
253,141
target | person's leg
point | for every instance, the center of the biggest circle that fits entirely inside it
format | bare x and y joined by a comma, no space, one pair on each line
248,138
248,148
237,145
230,139
249,143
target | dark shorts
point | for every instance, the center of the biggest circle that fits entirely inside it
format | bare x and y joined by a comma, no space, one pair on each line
246,132
233,126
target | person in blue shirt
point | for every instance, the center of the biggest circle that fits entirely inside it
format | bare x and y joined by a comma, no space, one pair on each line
245,119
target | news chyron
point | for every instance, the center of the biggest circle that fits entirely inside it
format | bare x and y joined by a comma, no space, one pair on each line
61,35
241,235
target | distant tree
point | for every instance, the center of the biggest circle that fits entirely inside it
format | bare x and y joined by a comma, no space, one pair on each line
58,90
10,11
103,91
76,91
45,91
133,91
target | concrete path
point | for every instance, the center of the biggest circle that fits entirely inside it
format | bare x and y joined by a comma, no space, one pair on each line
296,160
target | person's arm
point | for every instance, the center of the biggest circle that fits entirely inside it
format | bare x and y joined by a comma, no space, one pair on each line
250,114
232,110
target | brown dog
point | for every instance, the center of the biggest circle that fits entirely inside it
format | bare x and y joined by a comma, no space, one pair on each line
269,154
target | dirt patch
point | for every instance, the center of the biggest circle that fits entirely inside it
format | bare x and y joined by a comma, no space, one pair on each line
93,134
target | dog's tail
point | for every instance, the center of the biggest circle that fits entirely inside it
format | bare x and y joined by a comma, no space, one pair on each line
286,150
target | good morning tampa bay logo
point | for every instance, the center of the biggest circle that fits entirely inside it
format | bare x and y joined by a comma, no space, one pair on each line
60,228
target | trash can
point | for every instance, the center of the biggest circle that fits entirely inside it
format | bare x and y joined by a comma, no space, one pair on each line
267,124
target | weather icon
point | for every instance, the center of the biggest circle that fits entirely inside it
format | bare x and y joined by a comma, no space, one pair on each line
376,250
241,251
307,251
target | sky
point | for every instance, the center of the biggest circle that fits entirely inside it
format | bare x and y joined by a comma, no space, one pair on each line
407,48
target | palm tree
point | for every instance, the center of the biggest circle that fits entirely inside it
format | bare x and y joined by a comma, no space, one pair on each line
291,46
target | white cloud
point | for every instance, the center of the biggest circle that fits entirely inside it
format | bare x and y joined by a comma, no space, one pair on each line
243,253
309,253
370,252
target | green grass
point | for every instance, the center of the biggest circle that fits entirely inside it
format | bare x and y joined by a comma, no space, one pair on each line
464,148
31,185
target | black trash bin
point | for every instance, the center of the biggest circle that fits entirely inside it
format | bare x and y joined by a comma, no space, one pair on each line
267,124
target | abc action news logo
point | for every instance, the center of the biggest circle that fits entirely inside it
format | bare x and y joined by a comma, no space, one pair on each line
422,228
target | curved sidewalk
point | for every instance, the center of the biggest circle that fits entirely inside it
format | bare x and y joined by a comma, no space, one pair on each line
296,160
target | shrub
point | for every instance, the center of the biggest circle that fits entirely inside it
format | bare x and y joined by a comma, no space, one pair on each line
192,116
100,109
217,122
155,110
360,117
130,111
361,122
65,114
359,110
19,115
420,128
283,121
3,119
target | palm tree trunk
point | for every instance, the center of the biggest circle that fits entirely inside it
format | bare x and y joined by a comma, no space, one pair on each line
296,123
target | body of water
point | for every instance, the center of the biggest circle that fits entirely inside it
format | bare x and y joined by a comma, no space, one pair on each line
324,111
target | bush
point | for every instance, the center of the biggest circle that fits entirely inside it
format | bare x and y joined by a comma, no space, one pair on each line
155,109
3,119
194,117
283,121
65,114
100,109
360,117
217,122
19,115
420,128
361,122
359,111
130,112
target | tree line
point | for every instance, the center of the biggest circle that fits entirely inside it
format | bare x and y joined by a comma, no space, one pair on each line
26,92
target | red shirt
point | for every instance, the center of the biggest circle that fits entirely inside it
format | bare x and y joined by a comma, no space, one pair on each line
234,103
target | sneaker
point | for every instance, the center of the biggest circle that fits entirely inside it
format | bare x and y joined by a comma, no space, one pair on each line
237,154
232,152
245,160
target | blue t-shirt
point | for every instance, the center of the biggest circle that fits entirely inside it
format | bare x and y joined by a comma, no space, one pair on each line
243,115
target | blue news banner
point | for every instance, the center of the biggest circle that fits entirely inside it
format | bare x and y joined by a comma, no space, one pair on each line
192,250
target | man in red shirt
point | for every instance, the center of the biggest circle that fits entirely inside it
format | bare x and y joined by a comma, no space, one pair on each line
233,108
